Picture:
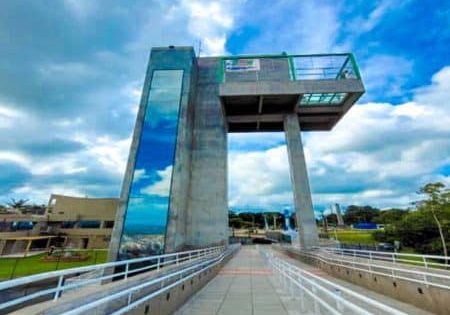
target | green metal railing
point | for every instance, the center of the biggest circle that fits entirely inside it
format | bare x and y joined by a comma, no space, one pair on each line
288,67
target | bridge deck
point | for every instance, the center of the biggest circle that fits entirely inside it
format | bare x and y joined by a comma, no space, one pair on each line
244,286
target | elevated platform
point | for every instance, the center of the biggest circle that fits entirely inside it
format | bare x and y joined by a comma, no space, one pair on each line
257,91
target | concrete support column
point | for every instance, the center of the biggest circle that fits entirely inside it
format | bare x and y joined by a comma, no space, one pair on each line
300,185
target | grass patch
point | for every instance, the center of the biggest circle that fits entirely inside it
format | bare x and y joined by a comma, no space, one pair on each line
354,237
19,267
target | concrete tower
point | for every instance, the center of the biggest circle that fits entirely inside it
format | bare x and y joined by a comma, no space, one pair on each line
174,193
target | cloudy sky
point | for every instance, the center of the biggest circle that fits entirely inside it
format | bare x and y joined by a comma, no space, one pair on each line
71,74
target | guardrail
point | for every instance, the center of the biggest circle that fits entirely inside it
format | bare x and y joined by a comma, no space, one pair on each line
427,261
430,277
59,281
288,67
332,297
165,283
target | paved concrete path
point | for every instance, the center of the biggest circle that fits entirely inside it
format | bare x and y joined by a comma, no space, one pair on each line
247,286
243,286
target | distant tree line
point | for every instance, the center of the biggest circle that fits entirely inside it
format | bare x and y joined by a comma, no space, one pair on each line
425,227
23,206
248,220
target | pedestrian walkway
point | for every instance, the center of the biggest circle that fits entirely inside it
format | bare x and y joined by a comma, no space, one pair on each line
244,286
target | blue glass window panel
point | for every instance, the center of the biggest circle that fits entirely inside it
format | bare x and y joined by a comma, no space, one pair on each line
148,204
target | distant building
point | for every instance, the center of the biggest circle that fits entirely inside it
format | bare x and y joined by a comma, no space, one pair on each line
70,222
340,219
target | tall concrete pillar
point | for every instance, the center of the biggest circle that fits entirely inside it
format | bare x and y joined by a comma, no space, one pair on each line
300,185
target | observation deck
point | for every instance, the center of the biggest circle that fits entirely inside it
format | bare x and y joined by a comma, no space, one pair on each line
258,91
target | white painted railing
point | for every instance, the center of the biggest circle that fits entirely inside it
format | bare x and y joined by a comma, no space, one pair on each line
56,282
426,261
164,282
395,270
321,294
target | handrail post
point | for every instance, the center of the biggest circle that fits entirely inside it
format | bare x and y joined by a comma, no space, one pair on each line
302,293
127,266
316,303
158,263
339,305
426,267
425,262
129,298
58,288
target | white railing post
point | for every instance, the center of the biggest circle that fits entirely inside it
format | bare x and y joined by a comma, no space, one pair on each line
176,259
425,262
316,303
302,293
291,285
339,305
127,266
58,288
158,263
129,298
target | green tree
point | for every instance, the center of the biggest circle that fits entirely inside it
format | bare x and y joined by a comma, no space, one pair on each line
391,216
18,204
356,214
437,204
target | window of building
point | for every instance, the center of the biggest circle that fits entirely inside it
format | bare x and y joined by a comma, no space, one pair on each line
146,214
323,98
109,224
89,224
68,224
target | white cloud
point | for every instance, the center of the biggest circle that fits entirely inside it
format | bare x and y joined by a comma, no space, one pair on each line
162,187
361,24
111,153
294,26
379,154
385,75
211,21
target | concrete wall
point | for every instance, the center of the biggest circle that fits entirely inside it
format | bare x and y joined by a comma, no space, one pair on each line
207,217
65,208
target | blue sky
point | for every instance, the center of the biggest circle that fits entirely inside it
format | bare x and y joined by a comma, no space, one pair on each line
71,74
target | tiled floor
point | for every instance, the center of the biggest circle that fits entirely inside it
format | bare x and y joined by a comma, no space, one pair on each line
247,286
244,286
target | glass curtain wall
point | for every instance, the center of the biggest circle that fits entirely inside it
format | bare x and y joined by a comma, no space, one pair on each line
148,203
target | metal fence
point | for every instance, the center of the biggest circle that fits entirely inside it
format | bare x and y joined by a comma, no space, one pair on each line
288,67
375,263
323,296
54,284
163,282
426,261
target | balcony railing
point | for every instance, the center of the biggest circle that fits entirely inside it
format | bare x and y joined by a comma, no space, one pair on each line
288,67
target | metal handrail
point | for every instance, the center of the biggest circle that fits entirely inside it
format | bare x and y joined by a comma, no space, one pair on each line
348,65
397,272
203,265
156,262
394,256
319,290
